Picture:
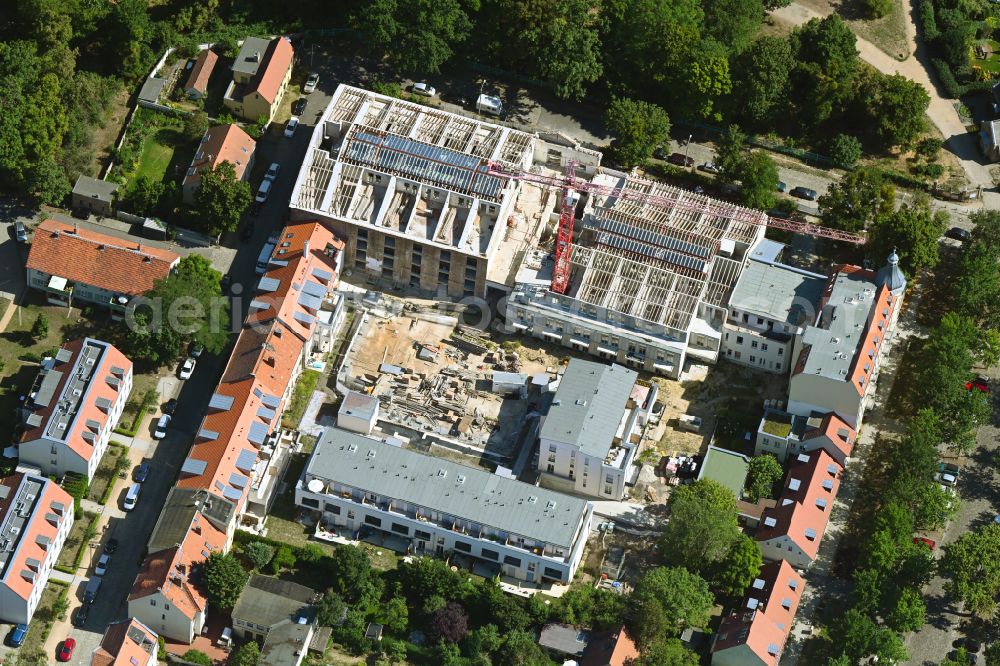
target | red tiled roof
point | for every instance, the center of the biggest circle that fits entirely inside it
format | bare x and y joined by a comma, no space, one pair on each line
806,502
222,143
837,431
277,61
876,329
202,71
106,262
124,641
610,648
766,616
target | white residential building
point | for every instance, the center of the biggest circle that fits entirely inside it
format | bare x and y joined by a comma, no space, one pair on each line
74,406
358,413
783,435
441,508
589,437
771,305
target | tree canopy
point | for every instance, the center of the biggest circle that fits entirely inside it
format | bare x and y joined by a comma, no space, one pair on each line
221,199
857,200
764,471
912,231
420,35
638,128
664,602
971,567
702,526
224,579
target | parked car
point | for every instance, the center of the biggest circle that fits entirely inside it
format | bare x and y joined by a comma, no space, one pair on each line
142,473
82,613
131,499
970,644
197,349
65,652
950,468
945,478
20,232
311,82
680,160
248,230
94,584
111,546
299,106
930,543
424,89
102,564
980,383
804,193
959,234
225,282
169,406
710,167
187,368
263,191
781,186
16,636
161,427
293,124
272,171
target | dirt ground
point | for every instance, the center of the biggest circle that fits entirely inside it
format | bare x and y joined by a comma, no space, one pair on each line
640,554
394,341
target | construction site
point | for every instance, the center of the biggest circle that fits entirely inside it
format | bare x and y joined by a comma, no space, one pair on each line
444,387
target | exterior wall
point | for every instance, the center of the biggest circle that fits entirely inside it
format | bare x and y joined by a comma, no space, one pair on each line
776,446
609,344
81,291
16,609
815,393
255,106
783,548
157,613
357,424
589,474
745,346
189,188
738,655
429,538
96,206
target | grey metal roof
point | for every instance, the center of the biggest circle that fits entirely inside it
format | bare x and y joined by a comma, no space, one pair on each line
564,638
778,292
179,511
251,55
589,405
152,89
268,284
267,601
285,644
95,188
441,485
193,466
309,301
314,289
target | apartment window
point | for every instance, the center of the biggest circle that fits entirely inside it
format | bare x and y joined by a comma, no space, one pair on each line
753,344
759,321
423,536
753,359
372,520
531,566
727,337
552,448
781,351
739,339
746,318
332,508
729,352
152,602
309,501
166,606
763,347
463,546
552,457
350,515
607,490
400,529
609,479
777,366
512,561
550,468
552,573
53,449
490,554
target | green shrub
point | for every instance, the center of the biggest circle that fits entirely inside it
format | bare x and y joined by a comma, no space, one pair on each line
284,558
389,89
878,8
197,657
258,554
845,150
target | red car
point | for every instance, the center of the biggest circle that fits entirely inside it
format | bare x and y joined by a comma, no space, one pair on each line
65,652
930,543
979,384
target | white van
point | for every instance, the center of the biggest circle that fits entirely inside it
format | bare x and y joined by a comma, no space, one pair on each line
132,497
489,104
264,258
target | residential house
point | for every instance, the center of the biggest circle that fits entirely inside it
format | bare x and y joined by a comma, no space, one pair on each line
126,643
757,631
989,144
769,308
94,195
783,434
71,264
196,85
278,614
842,352
73,408
222,143
358,413
564,641
794,528
167,595
590,435
432,506
261,73
36,517
726,467
610,648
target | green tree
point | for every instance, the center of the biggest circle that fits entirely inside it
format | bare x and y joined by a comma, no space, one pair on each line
759,180
908,613
638,128
197,657
857,200
224,580
128,34
195,125
895,107
284,558
590,607
702,526
666,652
221,199
331,609
845,149
764,471
395,615
733,575
707,80
40,329
248,654
521,649
730,153
484,641
733,22
46,181
258,554
930,148
858,637
351,571
826,66
971,567
878,8
664,602
760,81
933,506
913,232
143,196
420,35
977,285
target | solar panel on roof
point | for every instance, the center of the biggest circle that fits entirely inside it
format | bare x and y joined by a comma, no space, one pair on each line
220,401
271,401
314,289
238,480
265,413
205,433
304,318
321,274
268,284
258,432
309,301
653,238
194,466
661,254
246,460
231,493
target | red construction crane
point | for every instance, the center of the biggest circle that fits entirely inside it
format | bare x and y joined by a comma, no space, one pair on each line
570,185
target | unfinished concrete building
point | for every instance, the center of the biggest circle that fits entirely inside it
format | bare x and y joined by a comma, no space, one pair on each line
650,277
407,188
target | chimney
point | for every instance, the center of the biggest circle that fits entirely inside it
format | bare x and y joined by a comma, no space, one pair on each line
305,248
76,228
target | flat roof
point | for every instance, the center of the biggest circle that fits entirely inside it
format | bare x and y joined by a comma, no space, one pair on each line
778,292
442,485
95,188
588,406
727,467
251,55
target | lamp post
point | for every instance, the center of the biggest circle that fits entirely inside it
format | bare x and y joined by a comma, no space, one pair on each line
686,146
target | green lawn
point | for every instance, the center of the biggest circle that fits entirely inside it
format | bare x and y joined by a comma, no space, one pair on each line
157,153
45,616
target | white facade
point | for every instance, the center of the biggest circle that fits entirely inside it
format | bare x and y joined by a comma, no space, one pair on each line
158,613
358,413
768,351
784,548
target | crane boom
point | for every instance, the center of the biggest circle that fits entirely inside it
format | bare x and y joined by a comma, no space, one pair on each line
569,185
